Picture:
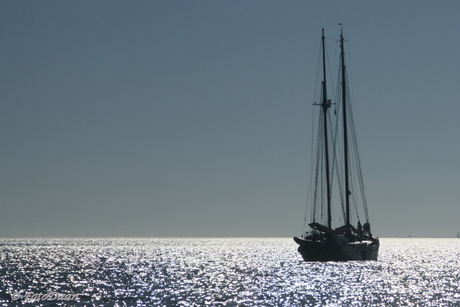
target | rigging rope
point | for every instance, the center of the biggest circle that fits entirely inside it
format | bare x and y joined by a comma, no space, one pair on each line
311,196
317,189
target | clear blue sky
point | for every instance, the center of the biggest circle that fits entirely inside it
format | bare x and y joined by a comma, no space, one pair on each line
192,118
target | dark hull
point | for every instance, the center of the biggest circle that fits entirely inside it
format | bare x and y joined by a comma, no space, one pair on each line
337,249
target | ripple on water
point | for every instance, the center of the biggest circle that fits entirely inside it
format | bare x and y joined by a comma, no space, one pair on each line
227,272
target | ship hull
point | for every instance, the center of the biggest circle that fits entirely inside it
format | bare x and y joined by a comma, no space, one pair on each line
337,249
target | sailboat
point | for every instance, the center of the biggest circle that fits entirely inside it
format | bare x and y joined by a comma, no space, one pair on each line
335,188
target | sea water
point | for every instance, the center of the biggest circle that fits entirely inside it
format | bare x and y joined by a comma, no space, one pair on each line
222,272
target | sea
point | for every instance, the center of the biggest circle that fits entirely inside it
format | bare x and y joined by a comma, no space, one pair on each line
222,272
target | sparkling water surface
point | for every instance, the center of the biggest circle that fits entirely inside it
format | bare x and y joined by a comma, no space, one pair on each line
223,272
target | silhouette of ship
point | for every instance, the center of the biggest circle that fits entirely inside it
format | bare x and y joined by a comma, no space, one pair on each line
337,179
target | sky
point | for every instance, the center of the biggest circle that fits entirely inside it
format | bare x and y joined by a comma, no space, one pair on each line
193,118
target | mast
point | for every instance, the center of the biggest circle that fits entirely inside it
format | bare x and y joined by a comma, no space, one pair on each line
345,132
326,104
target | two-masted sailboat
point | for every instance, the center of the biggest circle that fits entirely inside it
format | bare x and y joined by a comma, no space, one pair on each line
337,170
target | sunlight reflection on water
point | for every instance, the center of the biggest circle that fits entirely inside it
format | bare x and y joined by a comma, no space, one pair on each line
225,272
